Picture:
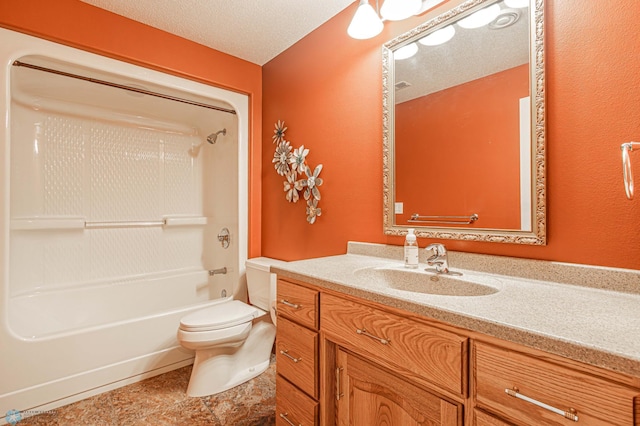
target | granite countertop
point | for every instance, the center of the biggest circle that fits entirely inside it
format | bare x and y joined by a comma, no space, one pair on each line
589,324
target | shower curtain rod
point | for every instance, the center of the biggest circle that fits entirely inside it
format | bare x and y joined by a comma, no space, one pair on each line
121,86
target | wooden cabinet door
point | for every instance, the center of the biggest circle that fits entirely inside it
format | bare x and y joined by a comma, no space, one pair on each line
367,395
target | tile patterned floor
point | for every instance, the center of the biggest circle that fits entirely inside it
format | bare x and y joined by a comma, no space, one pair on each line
162,400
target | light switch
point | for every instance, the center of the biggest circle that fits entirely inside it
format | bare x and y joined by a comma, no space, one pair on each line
399,208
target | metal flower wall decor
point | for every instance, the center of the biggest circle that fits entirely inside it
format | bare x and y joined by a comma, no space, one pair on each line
292,164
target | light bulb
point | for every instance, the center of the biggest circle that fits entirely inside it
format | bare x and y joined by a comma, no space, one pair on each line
441,36
397,10
481,17
365,23
405,52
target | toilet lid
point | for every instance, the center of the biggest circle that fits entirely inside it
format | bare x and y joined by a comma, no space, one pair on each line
224,315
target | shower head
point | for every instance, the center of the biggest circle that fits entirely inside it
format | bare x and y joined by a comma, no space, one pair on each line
195,150
214,136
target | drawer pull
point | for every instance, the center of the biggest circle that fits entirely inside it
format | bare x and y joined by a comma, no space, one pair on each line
286,353
571,414
289,304
382,340
339,393
284,417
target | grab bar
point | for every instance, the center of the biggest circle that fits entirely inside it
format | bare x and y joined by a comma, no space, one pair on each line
130,224
627,174
461,220
45,223
168,221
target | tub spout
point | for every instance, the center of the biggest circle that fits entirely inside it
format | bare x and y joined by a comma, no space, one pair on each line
213,272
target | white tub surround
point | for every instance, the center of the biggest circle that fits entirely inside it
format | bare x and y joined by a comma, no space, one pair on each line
113,200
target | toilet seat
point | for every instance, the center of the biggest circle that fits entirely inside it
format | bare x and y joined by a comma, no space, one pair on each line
226,337
223,315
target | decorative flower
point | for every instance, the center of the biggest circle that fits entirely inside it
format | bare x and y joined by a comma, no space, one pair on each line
297,158
292,187
291,164
279,132
312,182
313,211
281,158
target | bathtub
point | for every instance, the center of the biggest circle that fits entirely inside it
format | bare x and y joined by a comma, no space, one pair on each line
116,338
64,312
112,202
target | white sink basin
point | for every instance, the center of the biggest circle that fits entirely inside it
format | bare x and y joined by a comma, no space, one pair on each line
424,281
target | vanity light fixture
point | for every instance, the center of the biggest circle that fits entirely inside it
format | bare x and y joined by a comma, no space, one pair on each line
405,52
441,36
365,23
368,23
481,17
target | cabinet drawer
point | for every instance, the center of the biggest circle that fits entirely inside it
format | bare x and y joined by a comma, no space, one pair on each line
294,407
595,400
483,419
298,303
296,349
433,354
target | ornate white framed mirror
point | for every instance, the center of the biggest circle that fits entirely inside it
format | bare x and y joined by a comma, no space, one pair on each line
464,125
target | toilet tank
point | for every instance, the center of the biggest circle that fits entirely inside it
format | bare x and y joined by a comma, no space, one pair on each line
261,283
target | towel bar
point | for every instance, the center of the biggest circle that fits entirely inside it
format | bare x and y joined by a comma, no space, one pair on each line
627,174
462,220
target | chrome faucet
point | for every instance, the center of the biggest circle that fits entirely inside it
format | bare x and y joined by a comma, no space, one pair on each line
438,258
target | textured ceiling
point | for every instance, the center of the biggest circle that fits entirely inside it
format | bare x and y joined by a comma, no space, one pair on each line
259,30
253,30
471,54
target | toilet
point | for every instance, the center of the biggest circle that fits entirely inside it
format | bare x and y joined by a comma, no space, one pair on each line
233,340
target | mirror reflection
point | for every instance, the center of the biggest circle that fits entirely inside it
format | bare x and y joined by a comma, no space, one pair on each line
460,135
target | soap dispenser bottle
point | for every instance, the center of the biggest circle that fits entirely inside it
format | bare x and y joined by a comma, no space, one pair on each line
410,250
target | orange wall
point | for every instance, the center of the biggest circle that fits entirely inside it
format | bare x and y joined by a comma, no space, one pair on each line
475,128
327,89
86,27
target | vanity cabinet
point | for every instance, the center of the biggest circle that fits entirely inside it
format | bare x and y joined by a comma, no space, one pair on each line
297,381
342,360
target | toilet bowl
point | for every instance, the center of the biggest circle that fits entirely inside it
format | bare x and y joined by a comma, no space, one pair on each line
232,340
